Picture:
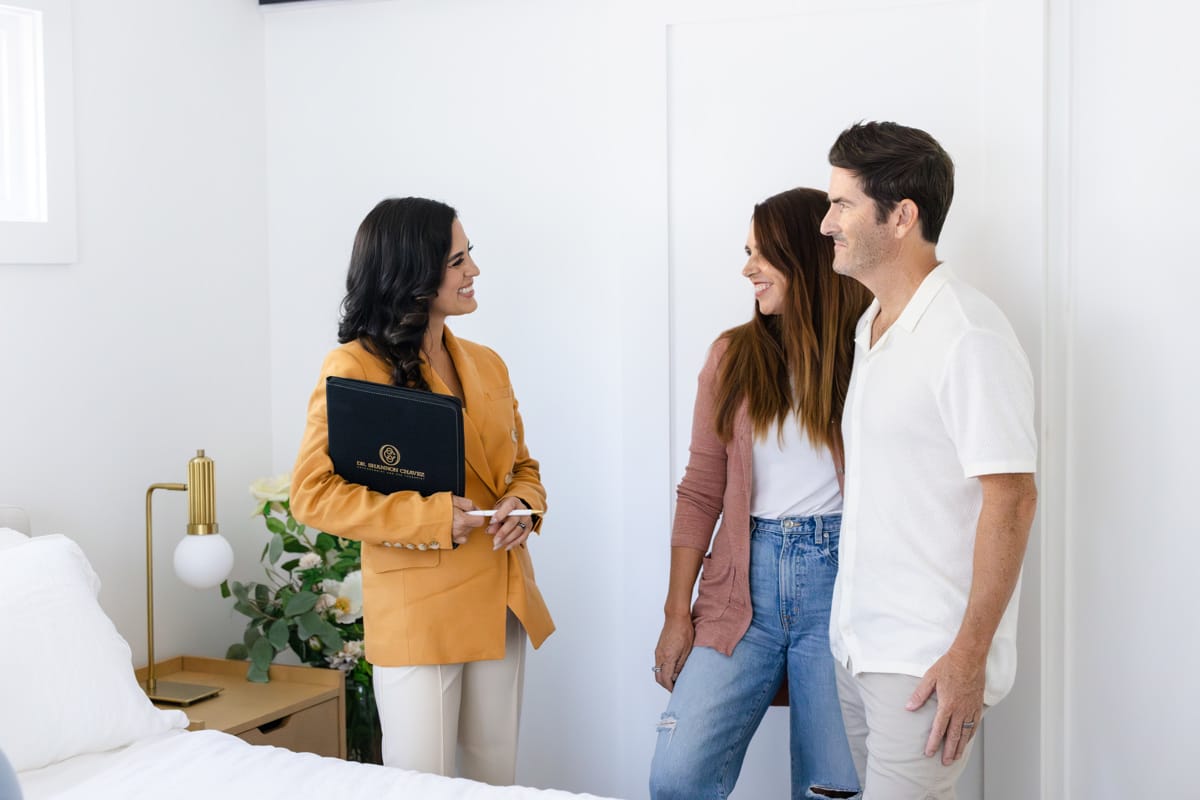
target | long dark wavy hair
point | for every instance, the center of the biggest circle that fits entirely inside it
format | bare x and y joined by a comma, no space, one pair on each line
798,360
396,267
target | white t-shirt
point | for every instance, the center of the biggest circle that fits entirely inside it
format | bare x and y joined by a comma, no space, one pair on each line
944,396
791,477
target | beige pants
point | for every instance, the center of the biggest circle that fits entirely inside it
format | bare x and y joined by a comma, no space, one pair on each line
887,742
431,714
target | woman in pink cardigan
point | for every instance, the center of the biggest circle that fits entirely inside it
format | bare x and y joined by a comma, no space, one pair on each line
766,462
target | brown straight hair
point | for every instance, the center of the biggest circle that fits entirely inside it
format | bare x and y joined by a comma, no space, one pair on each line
798,360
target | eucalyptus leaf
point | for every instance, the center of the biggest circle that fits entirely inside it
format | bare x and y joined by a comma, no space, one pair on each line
240,590
309,625
277,632
262,652
257,675
276,548
300,603
245,607
291,523
237,652
330,637
252,635
293,545
274,525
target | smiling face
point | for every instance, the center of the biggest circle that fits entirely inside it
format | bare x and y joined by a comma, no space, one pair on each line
770,285
456,295
860,242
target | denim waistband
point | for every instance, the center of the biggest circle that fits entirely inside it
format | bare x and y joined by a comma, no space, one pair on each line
819,528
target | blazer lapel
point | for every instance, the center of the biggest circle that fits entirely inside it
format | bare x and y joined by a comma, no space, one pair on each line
475,413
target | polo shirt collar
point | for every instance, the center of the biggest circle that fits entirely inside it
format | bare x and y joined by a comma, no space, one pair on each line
919,302
913,311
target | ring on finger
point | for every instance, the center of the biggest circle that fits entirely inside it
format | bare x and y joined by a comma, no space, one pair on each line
521,525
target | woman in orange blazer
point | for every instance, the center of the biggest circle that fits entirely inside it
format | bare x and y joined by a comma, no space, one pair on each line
447,603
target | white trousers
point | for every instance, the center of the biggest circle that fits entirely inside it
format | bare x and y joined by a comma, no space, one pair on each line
455,719
887,741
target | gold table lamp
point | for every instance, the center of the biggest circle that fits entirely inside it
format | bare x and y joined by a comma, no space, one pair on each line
202,560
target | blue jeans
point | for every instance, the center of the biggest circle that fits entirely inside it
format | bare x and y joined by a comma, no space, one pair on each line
719,700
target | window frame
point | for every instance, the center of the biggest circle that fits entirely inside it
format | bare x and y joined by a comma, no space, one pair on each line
54,240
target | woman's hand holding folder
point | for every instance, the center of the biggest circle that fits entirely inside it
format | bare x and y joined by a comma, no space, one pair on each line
463,522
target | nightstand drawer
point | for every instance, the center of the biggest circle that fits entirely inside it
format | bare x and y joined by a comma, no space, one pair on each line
311,730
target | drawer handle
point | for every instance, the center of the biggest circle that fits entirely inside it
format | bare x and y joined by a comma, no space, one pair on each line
274,725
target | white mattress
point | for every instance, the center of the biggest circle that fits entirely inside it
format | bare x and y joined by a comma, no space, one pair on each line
209,764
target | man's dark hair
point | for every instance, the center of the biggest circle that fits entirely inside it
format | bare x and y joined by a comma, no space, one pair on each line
893,163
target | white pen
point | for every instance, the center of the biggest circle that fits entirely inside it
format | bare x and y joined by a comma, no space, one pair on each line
520,512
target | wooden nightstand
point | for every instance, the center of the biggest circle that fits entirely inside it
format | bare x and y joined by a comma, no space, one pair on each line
302,708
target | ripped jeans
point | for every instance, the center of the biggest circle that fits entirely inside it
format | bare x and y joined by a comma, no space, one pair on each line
719,700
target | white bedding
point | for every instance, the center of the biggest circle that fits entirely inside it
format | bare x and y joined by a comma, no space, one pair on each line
209,764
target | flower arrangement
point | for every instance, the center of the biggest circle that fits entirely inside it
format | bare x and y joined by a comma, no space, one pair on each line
311,603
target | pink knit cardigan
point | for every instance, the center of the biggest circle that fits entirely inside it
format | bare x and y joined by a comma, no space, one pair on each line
717,479
716,486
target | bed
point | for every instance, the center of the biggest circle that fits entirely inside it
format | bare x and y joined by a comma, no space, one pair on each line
102,738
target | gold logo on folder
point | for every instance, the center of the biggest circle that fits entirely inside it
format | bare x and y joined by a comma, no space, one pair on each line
389,454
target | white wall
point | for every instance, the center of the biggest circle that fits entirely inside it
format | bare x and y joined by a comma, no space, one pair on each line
1132,391
115,369
752,111
549,126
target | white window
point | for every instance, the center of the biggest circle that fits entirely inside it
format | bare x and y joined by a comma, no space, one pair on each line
37,141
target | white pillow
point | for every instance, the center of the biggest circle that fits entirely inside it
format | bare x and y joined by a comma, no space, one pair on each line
11,538
66,679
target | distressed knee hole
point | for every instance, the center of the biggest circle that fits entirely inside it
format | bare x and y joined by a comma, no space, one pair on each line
666,723
817,792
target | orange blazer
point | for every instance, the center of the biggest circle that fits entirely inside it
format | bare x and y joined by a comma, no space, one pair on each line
423,602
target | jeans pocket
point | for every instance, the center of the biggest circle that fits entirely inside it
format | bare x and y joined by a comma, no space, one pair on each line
830,552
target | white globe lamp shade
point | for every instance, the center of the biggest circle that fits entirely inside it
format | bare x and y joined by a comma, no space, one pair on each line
202,562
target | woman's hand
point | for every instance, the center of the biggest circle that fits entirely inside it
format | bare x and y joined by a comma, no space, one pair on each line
463,522
508,532
674,647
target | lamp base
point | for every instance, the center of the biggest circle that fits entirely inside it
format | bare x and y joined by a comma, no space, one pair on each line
179,694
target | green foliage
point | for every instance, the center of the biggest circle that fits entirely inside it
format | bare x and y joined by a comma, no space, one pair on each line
292,608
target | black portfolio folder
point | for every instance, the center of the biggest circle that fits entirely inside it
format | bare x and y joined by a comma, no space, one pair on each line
392,439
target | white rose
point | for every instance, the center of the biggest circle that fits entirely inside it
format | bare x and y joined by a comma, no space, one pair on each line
309,561
271,490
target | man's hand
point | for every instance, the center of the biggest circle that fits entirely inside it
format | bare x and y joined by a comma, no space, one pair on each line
958,681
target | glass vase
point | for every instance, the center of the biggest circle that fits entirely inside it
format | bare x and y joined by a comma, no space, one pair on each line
364,737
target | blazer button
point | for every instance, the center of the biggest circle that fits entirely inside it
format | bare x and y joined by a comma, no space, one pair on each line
411,546
508,479
434,546
386,544
422,546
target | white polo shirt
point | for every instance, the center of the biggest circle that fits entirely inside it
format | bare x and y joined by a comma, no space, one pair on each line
944,396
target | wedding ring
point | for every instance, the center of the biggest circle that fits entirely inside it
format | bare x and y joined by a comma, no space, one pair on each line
968,726
521,525
656,669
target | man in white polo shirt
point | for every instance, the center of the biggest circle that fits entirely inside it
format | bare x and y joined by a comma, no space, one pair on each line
940,456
